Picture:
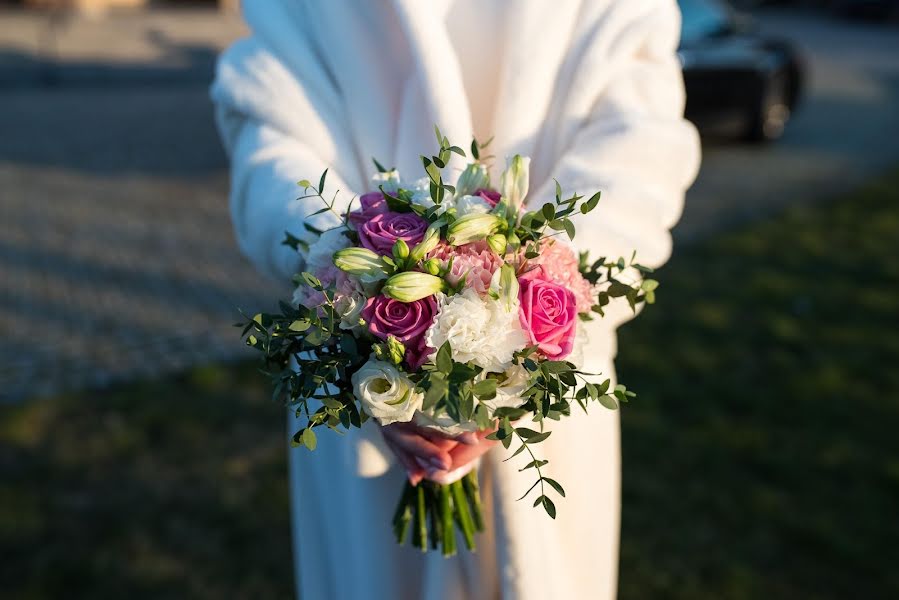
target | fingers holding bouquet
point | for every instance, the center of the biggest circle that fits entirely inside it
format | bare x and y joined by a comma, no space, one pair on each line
426,453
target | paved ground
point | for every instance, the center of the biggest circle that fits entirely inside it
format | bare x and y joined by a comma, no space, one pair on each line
116,253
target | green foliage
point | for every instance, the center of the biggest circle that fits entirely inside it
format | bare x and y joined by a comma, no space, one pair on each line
330,357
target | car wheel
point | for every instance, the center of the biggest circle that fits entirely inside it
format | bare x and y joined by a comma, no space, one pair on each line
768,121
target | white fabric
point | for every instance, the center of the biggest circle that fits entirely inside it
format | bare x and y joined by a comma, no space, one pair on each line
592,91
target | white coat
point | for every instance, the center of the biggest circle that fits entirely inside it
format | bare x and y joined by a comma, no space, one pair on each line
592,91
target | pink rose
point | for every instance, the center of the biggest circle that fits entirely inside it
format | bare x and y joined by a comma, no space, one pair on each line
560,264
490,196
379,233
371,204
406,321
548,314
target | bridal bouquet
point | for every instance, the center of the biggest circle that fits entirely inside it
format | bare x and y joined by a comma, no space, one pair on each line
451,307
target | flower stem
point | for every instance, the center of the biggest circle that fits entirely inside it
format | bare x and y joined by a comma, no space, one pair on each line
403,514
420,534
460,503
436,523
473,491
446,515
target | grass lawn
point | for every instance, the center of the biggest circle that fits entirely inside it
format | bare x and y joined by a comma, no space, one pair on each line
761,458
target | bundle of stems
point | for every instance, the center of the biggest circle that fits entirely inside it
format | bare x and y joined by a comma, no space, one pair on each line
434,512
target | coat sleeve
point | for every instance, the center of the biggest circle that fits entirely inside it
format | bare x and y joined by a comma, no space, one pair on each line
632,142
278,127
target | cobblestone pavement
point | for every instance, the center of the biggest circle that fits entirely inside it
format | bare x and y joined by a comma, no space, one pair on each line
116,253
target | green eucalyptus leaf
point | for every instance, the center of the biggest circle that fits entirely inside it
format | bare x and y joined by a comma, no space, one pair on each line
609,402
309,439
549,507
555,485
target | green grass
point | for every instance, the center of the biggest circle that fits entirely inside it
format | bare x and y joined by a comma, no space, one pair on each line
761,457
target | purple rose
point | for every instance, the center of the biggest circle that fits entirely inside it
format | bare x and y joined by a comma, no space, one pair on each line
372,203
379,233
406,321
490,196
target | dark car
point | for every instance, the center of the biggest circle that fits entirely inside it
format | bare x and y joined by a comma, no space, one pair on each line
737,80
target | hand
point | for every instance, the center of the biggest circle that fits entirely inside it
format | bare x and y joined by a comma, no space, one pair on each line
428,453
464,457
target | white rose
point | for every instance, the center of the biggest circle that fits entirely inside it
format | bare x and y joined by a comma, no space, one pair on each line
389,180
472,205
385,393
478,329
349,307
321,252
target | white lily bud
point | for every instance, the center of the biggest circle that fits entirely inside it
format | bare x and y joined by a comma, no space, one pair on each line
515,180
473,178
361,262
505,285
473,227
497,243
430,241
410,286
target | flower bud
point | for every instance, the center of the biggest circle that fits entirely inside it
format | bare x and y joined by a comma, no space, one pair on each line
472,228
505,286
473,178
410,286
514,181
400,249
513,241
430,241
497,243
432,266
361,262
396,350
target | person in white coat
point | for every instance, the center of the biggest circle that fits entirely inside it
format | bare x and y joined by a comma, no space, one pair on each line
592,91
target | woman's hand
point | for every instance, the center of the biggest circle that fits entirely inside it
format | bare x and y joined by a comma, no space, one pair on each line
426,453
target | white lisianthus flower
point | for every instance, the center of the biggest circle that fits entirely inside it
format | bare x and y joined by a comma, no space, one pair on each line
478,329
389,180
349,307
472,205
386,394
321,252
509,388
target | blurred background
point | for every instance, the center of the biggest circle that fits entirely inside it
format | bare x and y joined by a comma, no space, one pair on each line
140,457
